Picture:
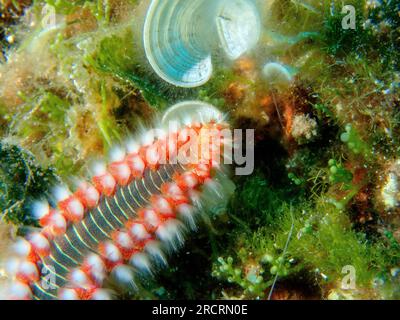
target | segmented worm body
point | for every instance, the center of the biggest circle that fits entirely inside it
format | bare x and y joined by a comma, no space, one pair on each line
134,210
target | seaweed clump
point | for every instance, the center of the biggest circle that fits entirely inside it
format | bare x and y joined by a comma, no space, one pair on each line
22,180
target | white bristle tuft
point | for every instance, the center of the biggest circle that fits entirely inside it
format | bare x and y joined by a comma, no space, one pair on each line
58,220
96,267
21,247
27,268
171,233
12,265
152,155
95,262
93,195
132,147
68,294
187,215
112,253
40,209
79,278
76,206
213,187
123,274
139,232
101,295
117,154
124,240
99,168
151,217
98,275
147,138
195,198
20,291
39,240
141,262
153,248
216,192
61,193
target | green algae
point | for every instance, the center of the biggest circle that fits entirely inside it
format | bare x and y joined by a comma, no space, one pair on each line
319,239
115,56
21,182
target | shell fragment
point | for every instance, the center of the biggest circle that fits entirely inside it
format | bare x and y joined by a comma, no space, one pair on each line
181,36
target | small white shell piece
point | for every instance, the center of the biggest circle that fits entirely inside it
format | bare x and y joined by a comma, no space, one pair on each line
188,112
181,36
277,74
